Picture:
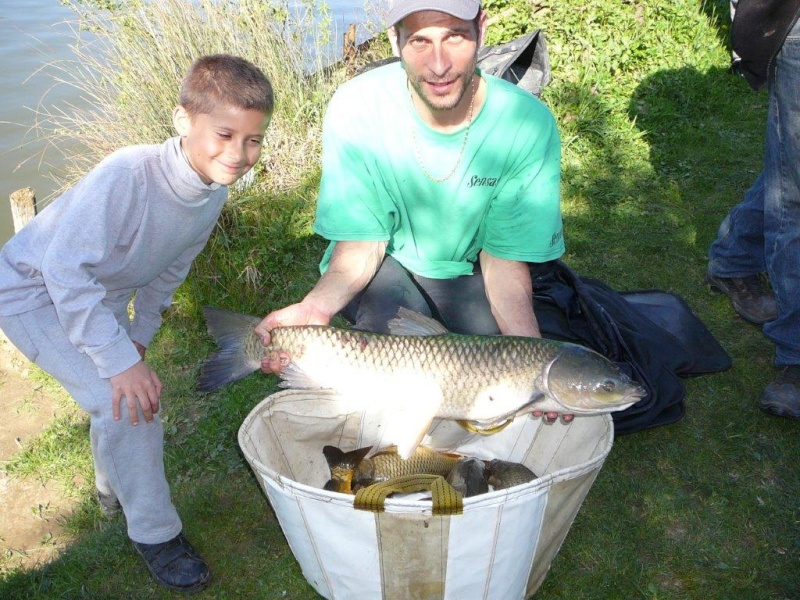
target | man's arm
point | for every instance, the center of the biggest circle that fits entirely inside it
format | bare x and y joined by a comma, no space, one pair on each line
510,293
351,268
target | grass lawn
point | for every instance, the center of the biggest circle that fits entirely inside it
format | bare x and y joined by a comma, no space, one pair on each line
660,140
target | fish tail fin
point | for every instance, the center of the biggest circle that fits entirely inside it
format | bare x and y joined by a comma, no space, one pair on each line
348,460
234,359
343,467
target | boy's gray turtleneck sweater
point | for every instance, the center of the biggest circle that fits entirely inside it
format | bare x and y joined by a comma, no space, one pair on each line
133,225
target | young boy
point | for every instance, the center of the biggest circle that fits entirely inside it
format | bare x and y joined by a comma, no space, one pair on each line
131,228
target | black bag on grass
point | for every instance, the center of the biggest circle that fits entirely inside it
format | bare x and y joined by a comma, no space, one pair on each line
522,61
652,336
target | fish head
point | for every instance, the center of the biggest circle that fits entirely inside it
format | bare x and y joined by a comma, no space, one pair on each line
468,476
503,474
585,382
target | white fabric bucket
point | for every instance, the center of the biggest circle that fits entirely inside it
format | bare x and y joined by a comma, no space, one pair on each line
501,546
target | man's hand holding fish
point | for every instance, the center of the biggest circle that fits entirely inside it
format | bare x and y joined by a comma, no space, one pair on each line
294,314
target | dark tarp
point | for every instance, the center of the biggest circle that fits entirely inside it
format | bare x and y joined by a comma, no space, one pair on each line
653,336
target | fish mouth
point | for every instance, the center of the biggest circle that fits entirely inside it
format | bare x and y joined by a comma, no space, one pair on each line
624,402
637,393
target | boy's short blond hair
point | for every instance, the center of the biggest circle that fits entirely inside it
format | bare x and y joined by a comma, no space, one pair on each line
225,80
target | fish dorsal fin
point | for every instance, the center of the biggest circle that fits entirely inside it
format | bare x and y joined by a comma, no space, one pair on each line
409,322
386,450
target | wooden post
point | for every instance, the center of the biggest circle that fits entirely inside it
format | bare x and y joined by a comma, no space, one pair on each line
349,50
23,207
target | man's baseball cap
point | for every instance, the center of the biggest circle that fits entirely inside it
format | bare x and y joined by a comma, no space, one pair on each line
466,10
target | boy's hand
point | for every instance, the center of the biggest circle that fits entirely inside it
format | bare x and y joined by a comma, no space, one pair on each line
138,384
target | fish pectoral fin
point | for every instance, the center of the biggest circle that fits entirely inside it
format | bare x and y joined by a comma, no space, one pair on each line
404,428
545,404
484,429
293,376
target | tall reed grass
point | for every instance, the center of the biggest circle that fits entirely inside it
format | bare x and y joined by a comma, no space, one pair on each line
129,66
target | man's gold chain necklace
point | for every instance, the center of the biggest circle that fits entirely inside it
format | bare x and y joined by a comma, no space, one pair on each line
463,143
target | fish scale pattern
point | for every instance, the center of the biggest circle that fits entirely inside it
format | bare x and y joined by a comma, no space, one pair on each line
480,377
426,372
387,464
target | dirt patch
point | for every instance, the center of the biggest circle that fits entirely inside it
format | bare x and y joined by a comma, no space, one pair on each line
31,520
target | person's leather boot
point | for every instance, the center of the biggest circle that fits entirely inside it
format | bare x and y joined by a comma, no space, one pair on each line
749,296
782,396
175,564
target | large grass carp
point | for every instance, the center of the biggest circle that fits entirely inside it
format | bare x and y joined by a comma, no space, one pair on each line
420,371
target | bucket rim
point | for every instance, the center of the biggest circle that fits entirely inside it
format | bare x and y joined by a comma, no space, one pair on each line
406,504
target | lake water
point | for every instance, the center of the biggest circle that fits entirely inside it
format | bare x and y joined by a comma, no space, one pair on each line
33,34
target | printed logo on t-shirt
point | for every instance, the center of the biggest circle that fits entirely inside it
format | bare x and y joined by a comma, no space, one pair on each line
482,181
556,238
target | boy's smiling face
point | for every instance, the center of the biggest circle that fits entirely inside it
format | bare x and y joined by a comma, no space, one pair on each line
223,145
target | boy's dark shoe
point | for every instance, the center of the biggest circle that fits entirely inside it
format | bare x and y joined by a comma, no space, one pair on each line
782,396
749,297
109,505
175,564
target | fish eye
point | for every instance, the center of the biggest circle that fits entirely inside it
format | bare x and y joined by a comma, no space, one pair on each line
608,386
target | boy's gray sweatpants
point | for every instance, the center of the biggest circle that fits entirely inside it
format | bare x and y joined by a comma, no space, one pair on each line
128,460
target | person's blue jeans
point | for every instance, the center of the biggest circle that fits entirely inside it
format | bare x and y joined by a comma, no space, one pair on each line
762,233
